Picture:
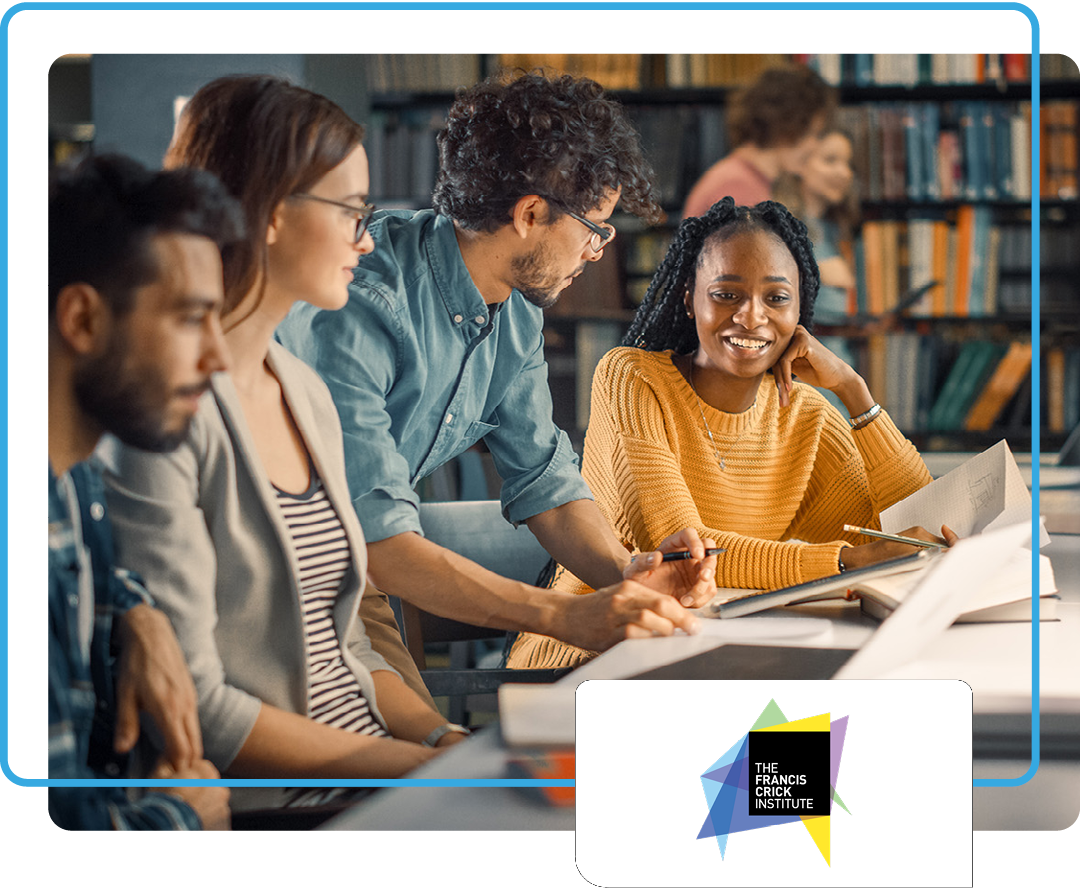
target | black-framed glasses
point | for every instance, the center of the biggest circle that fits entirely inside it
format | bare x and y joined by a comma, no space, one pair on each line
362,213
602,232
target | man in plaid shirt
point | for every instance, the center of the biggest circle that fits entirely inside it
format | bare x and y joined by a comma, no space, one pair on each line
135,291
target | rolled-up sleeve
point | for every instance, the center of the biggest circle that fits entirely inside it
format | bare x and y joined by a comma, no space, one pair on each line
357,351
533,456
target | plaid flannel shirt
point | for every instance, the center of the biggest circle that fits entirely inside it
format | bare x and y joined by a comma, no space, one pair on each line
82,708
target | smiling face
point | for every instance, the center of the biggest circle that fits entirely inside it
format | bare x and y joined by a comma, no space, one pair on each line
311,254
745,304
828,172
558,256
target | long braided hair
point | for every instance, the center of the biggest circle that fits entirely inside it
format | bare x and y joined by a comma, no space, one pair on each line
661,321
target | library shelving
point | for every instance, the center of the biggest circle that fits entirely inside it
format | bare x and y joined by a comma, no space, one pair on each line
944,180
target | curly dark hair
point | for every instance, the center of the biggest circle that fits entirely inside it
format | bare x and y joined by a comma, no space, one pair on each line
779,107
560,138
661,321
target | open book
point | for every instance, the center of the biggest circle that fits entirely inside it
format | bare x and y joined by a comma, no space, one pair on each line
1006,598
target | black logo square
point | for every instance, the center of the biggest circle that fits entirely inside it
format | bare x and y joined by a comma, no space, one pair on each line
789,773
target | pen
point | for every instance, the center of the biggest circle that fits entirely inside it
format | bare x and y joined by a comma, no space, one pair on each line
686,556
896,538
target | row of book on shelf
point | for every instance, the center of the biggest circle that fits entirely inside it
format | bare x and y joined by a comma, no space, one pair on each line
964,267
961,264
914,151
938,384
631,71
397,73
924,69
968,266
964,150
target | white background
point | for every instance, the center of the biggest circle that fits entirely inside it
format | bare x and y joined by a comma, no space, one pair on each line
34,40
905,776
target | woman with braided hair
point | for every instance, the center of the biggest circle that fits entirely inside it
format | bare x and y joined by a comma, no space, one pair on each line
686,429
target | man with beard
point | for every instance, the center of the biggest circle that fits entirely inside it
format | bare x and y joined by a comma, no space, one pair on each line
441,345
135,291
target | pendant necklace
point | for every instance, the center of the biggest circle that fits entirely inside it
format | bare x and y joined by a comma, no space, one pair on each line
705,422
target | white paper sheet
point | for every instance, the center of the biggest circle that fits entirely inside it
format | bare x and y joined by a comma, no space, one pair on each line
985,493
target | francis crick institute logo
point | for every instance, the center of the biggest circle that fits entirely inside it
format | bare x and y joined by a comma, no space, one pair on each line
780,771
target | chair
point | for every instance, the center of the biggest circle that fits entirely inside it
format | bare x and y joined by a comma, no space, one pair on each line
477,531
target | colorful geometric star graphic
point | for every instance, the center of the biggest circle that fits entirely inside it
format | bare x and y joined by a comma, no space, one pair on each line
728,781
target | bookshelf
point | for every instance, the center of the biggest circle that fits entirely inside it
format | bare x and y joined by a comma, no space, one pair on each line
678,104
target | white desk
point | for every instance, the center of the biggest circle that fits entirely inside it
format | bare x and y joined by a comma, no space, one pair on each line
993,658
481,756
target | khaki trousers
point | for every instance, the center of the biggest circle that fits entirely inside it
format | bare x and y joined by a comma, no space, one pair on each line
385,637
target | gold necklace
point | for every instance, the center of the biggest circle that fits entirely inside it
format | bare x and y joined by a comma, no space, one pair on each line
705,422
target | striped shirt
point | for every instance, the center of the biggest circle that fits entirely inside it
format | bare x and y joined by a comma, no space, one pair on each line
322,550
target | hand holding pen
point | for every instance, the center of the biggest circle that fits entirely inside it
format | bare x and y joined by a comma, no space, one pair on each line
686,556
683,566
887,546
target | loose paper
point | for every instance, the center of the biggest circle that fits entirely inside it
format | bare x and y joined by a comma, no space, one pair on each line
985,493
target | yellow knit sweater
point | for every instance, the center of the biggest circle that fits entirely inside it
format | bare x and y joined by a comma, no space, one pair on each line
793,477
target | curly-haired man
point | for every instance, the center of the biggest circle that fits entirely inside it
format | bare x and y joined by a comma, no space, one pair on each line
440,346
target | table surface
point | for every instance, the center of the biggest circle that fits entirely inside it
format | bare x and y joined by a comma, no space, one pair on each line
994,659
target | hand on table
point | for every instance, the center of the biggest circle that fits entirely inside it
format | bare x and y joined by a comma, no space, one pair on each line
691,582
626,610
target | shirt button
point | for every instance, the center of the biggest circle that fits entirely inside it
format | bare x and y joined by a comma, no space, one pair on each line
458,319
97,511
73,600
480,319
449,418
112,769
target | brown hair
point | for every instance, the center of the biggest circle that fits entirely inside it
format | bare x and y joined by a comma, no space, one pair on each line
846,215
779,107
265,139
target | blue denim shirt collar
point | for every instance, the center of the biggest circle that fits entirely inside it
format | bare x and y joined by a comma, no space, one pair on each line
455,285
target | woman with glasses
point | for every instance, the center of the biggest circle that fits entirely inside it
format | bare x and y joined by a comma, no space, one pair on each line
247,533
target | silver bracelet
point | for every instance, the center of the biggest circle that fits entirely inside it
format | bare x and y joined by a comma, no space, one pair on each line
864,419
441,731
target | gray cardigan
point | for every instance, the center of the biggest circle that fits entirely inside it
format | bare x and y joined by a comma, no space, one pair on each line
203,527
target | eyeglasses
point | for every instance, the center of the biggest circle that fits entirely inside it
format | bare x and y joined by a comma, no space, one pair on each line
602,232
362,213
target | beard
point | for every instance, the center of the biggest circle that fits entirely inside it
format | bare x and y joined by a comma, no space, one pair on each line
533,277
130,404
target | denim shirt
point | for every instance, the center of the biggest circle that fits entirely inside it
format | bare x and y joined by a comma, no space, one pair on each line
82,708
420,369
